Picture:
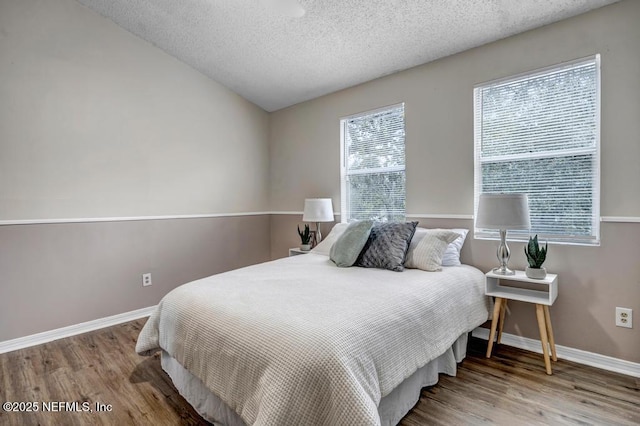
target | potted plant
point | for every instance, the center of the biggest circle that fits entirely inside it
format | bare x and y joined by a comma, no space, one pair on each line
536,256
305,237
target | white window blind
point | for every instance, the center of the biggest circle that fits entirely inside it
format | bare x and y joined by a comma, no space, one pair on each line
539,134
373,165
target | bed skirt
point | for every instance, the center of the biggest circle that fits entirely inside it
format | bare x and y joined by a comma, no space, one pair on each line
392,408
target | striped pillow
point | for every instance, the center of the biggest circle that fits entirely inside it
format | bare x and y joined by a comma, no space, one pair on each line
427,254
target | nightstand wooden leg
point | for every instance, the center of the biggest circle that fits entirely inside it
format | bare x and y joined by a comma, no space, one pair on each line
552,343
494,324
543,336
503,313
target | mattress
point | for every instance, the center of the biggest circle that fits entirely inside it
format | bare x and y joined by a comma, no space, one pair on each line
301,341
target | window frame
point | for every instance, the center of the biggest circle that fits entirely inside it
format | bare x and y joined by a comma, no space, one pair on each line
344,212
567,239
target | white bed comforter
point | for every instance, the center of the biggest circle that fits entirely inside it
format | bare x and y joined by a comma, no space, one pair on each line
299,341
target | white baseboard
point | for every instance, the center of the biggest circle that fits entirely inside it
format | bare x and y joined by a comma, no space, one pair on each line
72,330
570,354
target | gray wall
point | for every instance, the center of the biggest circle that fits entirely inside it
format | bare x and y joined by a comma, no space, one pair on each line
55,275
304,162
95,122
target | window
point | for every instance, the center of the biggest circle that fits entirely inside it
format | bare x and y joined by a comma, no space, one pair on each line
539,134
373,165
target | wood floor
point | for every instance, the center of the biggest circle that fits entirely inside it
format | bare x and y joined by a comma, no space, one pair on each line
101,367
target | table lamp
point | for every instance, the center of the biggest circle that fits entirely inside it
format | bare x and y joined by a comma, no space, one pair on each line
318,210
503,212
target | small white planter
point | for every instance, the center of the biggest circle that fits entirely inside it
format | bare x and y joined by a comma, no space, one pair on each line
305,247
536,273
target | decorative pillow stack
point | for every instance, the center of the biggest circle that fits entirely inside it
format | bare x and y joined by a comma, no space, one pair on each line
428,247
387,246
393,246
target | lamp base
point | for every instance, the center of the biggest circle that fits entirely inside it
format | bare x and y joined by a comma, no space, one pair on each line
503,255
503,270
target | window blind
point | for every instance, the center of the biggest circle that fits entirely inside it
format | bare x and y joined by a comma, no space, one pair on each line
373,165
539,134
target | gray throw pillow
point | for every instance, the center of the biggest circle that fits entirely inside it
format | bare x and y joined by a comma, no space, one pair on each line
344,252
387,246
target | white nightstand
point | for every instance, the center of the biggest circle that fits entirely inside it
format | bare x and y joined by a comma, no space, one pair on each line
295,251
540,292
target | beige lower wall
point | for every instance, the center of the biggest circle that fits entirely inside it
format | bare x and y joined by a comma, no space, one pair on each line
592,282
56,275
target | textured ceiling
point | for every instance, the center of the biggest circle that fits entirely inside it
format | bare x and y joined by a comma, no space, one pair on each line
276,61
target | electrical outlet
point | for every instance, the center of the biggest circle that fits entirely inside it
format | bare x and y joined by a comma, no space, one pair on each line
146,279
624,317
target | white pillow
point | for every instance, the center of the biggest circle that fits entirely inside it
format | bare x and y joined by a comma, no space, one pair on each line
325,245
451,256
426,254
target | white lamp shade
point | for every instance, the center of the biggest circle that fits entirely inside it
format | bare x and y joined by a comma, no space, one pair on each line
503,211
318,210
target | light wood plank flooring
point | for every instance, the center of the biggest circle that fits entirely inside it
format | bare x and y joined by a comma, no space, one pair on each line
511,388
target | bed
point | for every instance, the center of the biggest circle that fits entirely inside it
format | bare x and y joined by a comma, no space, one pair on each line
301,341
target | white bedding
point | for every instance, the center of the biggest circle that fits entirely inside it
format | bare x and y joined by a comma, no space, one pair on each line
301,341
392,408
